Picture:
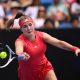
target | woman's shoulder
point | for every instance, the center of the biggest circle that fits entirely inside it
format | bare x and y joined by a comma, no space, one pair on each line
39,32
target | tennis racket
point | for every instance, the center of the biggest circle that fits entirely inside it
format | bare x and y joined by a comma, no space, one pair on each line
10,55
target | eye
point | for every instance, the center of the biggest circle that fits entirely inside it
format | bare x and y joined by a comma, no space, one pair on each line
30,24
25,26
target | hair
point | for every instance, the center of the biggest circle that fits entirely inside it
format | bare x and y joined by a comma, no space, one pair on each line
19,15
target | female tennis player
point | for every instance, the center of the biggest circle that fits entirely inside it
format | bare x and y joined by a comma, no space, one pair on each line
32,44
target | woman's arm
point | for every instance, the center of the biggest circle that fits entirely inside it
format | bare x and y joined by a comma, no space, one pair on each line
19,49
59,43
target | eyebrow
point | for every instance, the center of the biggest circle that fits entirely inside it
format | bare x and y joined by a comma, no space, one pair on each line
26,24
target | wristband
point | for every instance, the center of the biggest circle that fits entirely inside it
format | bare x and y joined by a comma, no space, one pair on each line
21,56
73,49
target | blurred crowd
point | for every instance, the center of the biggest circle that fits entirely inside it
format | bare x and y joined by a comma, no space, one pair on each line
49,14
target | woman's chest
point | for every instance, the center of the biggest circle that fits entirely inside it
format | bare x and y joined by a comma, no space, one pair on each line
35,48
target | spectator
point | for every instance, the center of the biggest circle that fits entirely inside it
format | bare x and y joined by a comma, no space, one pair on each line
39,21
58,11
46,3
75,11
68,2
25,3
2,15
32,10
75,22
14,8
49,24
75,8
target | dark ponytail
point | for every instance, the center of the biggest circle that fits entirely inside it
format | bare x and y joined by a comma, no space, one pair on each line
10,22
19,14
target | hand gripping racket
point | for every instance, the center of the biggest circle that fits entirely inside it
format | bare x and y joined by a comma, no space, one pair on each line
10,55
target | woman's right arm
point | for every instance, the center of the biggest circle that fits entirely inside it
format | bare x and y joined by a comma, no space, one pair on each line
19,49
19,46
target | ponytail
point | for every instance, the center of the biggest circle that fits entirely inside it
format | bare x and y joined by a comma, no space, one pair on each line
19,14
10,22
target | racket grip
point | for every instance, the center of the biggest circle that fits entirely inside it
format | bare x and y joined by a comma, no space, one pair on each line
21,56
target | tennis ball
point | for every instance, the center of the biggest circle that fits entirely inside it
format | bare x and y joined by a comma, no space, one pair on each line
3,55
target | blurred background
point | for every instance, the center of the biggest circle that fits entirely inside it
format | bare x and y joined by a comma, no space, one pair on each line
59,18
50,14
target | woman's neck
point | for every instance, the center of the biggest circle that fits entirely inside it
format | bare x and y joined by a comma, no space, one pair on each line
31,37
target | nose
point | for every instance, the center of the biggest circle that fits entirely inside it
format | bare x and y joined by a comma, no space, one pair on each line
29,27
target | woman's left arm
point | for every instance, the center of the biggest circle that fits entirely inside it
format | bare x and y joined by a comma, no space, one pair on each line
60,43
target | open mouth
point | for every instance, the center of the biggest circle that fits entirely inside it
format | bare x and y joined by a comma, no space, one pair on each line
29,31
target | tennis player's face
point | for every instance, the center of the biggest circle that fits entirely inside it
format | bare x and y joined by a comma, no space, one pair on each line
28,28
